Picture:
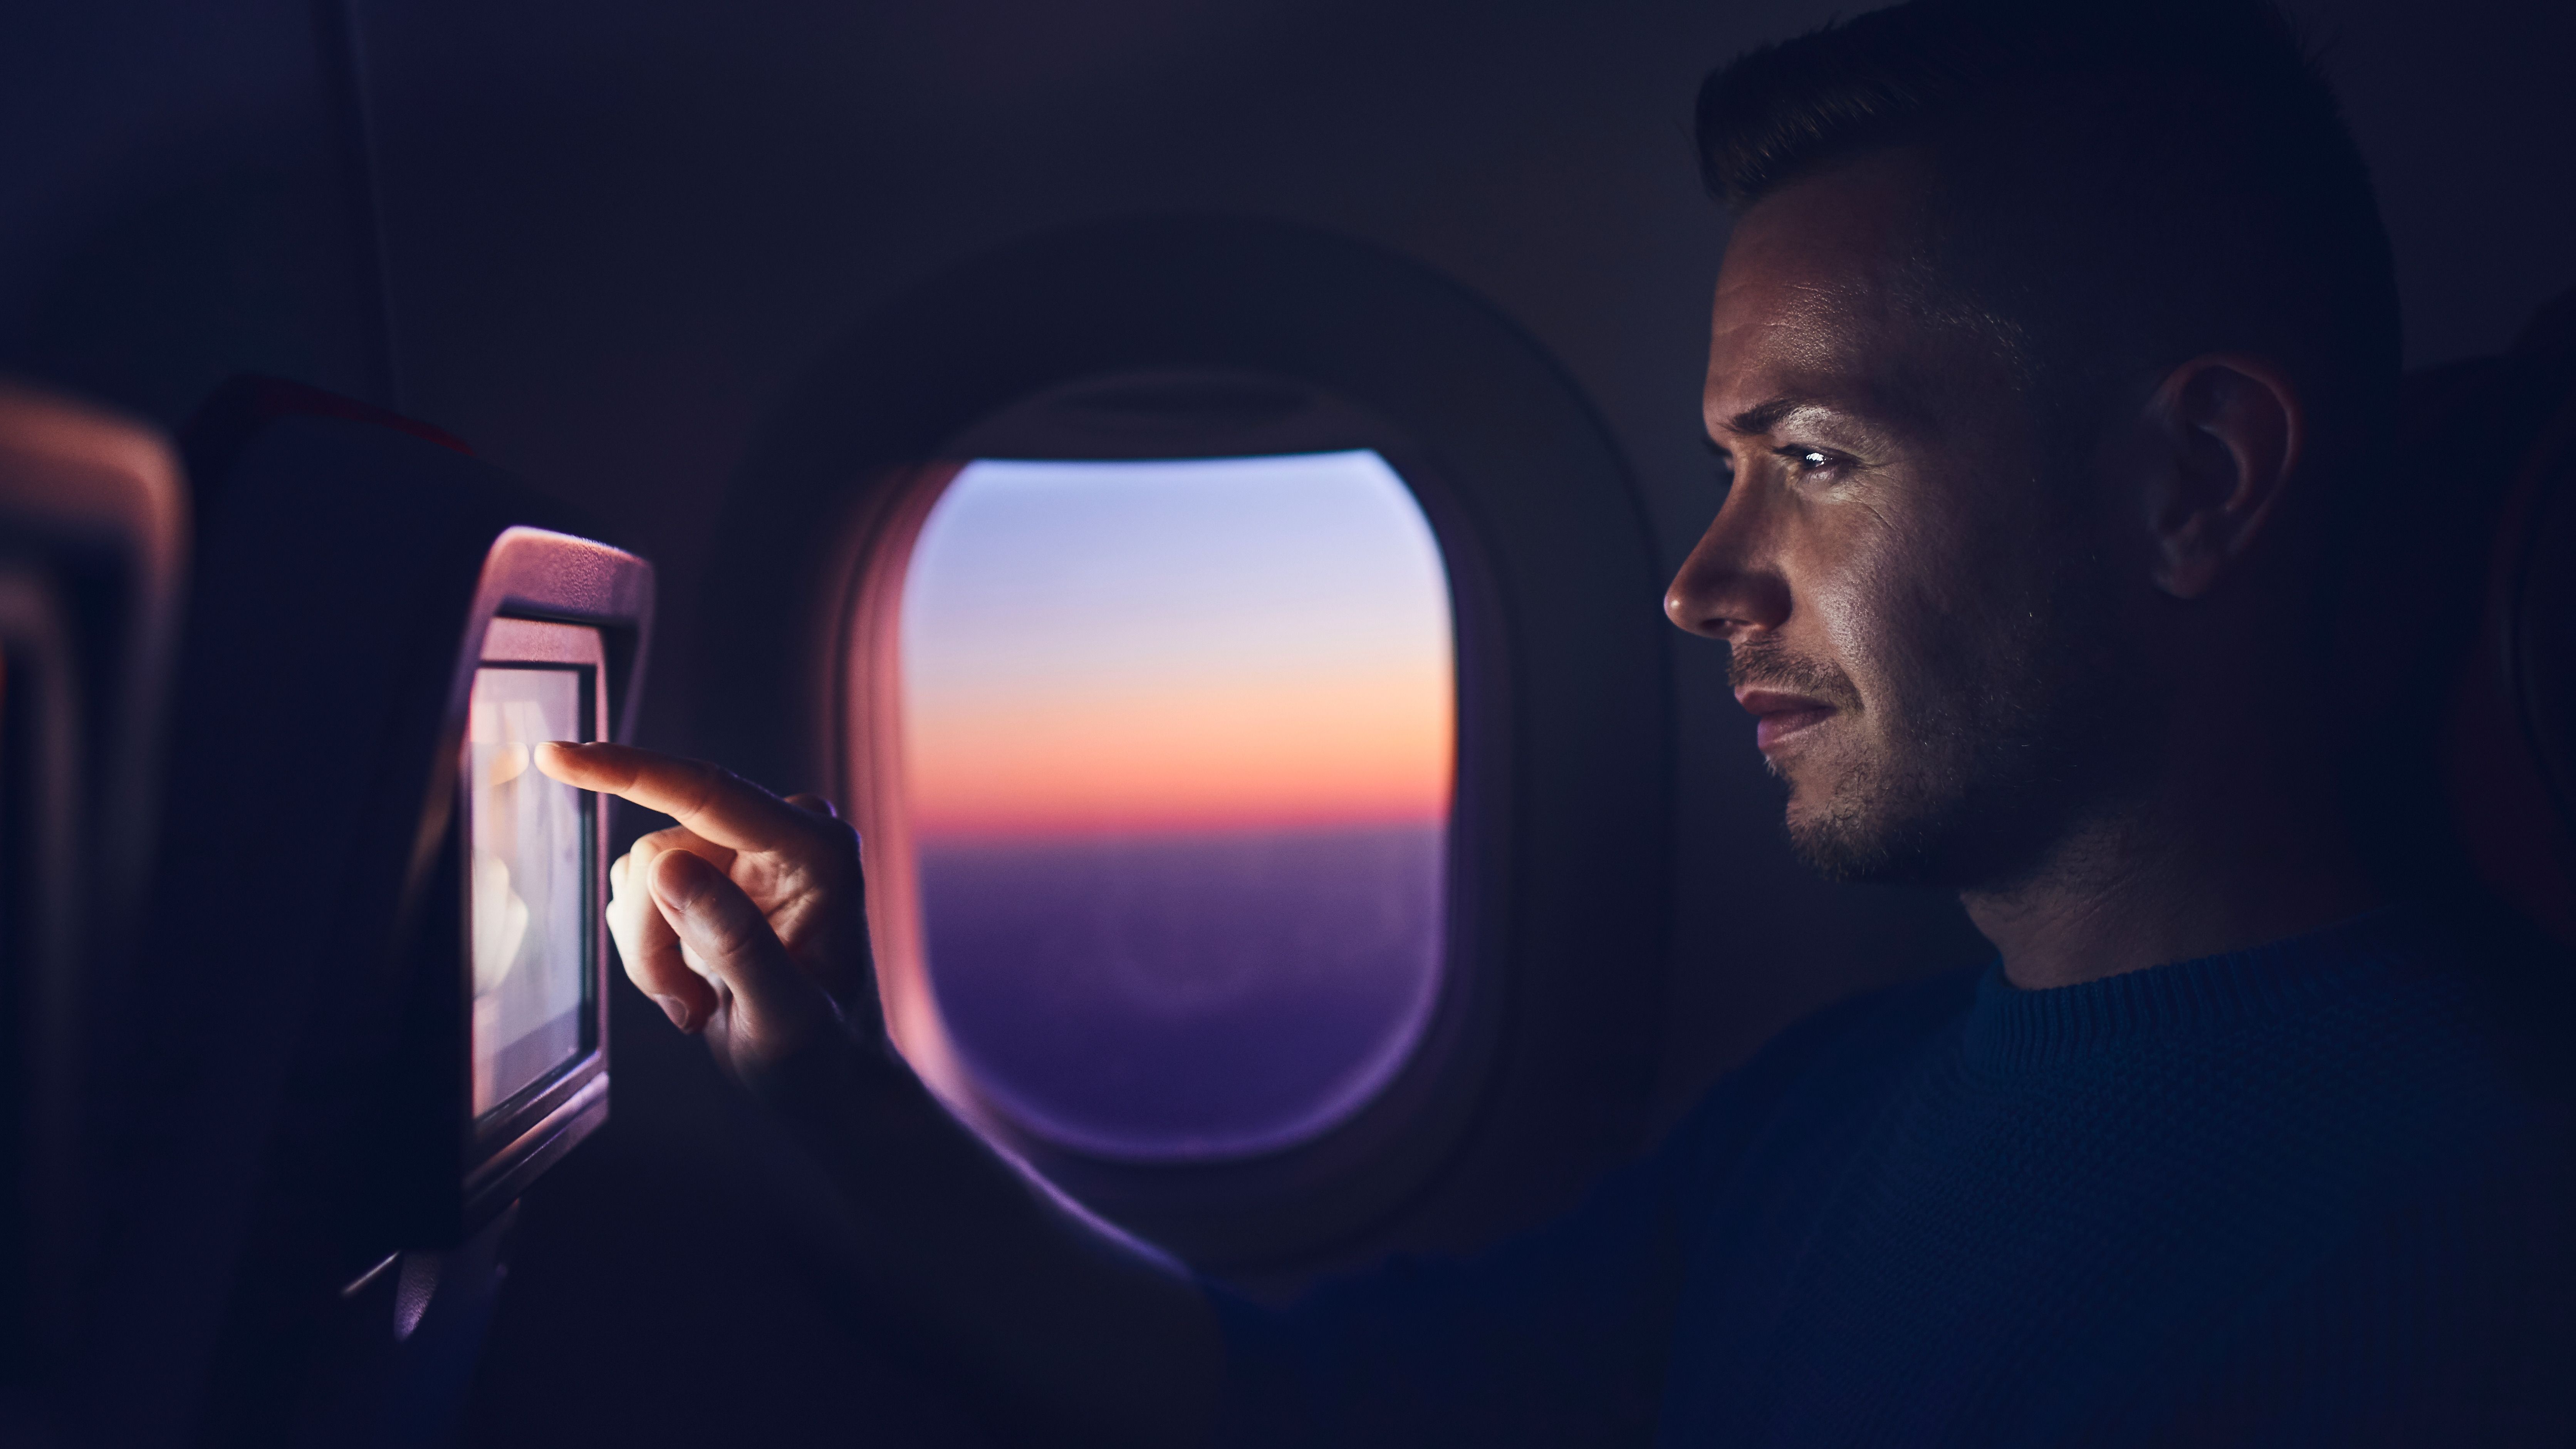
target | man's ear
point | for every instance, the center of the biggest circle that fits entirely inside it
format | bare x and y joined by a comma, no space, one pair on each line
2225,434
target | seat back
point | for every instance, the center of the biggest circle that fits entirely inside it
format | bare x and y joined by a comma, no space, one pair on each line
93,539
262,1288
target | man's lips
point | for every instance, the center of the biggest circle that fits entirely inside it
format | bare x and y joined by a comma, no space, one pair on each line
1779,715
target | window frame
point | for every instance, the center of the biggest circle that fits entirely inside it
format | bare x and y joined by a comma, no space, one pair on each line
1390,1144
1568,853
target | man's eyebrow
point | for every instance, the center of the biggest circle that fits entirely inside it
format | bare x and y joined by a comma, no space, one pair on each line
1763,417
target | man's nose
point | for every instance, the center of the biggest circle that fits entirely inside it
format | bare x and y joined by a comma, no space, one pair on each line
1730,587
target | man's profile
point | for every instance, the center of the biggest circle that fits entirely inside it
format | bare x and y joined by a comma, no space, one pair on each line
2052,354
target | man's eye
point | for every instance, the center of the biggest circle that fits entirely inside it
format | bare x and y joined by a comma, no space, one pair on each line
1805,461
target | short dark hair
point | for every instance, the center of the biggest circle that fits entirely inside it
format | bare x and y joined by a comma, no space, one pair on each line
2120,185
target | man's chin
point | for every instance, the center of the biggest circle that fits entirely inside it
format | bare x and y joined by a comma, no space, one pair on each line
1832,855
1848,845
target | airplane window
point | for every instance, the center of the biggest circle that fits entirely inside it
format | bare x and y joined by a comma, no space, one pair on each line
1177,746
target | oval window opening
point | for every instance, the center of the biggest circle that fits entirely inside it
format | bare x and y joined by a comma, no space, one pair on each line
1178,741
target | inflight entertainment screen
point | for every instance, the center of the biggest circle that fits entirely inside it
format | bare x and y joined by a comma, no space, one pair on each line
530,906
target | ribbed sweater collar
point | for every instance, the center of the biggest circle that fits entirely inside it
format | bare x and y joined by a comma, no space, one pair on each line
2010,1028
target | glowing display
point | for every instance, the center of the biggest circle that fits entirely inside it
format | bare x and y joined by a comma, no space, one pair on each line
529,892
1178,740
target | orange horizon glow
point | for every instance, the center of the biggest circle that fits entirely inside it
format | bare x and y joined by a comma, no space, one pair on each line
1203,647
1298,753
1024,831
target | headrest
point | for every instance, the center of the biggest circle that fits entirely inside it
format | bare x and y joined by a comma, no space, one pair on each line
2456,644
93,554
94,518
2508,746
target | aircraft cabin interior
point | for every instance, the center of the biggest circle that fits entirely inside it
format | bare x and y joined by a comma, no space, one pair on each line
1192,487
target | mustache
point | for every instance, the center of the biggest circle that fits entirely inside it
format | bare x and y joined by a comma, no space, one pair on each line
1765,663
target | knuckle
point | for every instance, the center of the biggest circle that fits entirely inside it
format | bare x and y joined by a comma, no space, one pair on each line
734,933
706,782
721,918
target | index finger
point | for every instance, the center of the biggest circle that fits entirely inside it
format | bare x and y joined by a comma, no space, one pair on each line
720,806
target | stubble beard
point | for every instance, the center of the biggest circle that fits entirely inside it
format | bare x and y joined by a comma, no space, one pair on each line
1988,744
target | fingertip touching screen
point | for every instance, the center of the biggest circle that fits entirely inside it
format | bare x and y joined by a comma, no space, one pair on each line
530,885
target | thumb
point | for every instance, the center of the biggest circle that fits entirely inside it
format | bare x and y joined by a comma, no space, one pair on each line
771,1008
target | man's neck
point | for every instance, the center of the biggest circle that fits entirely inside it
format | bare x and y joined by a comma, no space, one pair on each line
2174,878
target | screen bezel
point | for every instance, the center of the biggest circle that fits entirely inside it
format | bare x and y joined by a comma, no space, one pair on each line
502,1146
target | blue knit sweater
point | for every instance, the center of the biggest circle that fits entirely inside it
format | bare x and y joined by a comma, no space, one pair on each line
2320,1192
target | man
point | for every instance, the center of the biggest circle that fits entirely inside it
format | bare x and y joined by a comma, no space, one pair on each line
2053,349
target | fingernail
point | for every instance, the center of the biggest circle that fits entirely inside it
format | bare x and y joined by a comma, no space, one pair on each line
674,1008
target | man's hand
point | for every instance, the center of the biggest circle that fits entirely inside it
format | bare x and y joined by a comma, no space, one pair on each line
745,920
748,919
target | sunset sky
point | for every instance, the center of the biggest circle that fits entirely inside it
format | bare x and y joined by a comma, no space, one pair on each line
1226,644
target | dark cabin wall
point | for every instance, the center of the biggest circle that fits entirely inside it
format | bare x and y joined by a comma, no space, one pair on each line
2467,113
178,202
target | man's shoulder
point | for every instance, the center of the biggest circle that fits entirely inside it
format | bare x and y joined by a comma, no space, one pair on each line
1874,1025
1838,1058
2482,1024
2507,1042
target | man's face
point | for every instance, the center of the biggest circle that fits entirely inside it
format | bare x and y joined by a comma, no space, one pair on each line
1919,616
